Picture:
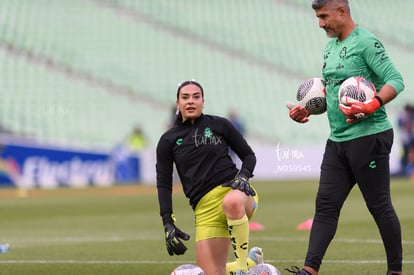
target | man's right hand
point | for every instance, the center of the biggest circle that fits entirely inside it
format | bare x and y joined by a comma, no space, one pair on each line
298,113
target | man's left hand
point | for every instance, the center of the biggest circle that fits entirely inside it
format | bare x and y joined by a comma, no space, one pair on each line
355,111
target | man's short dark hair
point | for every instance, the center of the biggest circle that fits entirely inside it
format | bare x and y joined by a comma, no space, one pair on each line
317,4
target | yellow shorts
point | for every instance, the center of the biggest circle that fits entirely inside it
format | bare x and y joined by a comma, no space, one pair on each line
210,221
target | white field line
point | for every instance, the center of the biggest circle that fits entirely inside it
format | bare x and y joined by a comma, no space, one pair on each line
336,240
112,262
86,239
25,242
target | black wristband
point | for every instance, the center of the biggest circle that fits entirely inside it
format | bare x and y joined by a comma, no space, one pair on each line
379,100
168,218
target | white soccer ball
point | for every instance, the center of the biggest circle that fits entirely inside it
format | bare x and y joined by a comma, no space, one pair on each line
356,89
264,269
187,269
311,95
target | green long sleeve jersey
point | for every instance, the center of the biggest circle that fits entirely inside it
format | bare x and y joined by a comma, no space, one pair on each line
360,54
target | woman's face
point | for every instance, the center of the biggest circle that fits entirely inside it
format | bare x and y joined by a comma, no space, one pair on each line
190,102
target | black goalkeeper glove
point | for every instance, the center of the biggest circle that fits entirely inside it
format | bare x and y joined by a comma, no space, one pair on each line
172,239
241,182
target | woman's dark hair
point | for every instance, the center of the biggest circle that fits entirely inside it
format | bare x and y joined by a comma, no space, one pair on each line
188,82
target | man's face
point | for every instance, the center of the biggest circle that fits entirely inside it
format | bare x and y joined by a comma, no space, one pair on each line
330,20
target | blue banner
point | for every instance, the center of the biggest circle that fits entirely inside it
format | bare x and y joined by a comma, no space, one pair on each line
35,166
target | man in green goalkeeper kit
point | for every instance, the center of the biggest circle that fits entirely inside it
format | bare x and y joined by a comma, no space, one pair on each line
359,144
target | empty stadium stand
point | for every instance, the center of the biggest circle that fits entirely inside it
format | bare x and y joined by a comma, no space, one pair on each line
84,73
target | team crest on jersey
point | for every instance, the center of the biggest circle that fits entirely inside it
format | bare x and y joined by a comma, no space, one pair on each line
208,133
207,137
342,54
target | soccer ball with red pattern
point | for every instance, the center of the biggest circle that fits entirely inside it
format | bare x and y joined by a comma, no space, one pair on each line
356,89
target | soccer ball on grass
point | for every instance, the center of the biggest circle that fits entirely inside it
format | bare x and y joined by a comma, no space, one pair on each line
264,269
187,269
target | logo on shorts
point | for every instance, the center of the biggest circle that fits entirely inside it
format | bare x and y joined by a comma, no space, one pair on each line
372,165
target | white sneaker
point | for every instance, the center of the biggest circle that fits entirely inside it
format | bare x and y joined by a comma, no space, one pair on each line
256,254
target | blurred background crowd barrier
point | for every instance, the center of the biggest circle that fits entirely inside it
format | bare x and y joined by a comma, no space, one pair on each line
78,77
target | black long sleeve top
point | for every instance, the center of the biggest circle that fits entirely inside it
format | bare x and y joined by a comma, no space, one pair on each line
200,152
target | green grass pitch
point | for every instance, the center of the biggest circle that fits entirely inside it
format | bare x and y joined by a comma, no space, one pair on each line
118,230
